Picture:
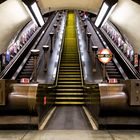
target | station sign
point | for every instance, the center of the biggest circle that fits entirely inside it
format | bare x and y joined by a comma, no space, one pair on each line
104,56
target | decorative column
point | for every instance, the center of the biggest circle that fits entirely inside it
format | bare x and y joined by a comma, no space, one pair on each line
88,41
59,15
51,36
94,49
45,48
35,54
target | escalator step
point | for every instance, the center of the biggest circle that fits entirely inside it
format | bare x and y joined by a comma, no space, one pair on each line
29,64
110,64
69,79
69,94
26,72
69,86
115,76
69,73
69,90
69,65
69,69
69,103
29,67
69,83
24,76
114,73
112,70
69,98
69,76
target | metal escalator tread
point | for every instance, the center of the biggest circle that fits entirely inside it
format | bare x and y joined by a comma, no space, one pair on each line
69,89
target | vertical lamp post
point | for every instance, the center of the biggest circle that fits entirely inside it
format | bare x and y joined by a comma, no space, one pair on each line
45,48
35,54
59,15
51,36
94,49
83,20
85,28
88,41
105,11
34,11
55,32
58,23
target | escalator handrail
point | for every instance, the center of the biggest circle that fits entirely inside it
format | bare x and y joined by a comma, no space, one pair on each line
80,59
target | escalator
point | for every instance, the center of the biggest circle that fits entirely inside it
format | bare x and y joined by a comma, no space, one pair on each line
12,70
69,87
126,65
114,68
69,114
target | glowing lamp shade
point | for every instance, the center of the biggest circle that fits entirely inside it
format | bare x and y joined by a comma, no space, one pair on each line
101,14
37,13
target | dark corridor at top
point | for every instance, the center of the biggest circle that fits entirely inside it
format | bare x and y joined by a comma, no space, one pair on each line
103,100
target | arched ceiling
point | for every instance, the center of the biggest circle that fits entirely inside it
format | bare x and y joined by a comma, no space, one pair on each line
53,5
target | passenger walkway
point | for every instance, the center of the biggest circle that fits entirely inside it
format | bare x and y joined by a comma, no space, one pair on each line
70,135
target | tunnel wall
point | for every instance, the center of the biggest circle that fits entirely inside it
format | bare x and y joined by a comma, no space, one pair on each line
127,18
52,5
13,17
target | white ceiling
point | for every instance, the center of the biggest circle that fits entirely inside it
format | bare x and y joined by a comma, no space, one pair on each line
88,5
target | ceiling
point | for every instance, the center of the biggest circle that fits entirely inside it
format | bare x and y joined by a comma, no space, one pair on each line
53,5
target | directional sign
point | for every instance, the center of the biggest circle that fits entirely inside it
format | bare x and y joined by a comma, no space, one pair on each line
104,56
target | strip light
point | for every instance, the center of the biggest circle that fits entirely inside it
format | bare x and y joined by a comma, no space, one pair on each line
104,13
37,13
30,13
109,13
101,14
